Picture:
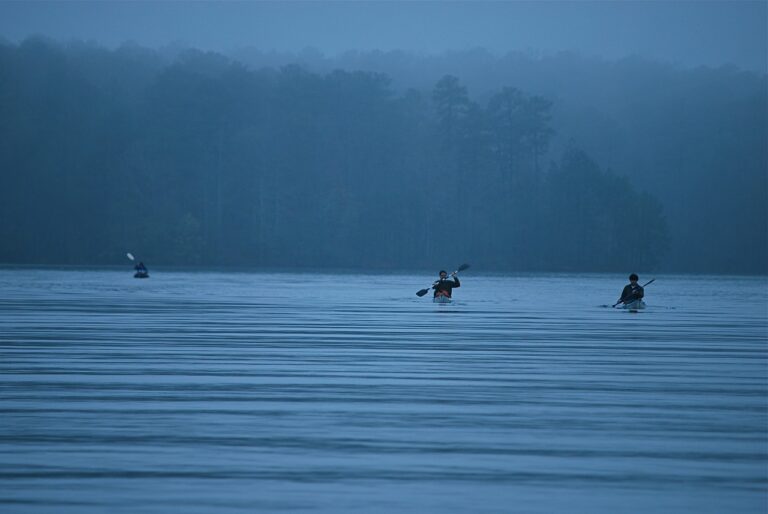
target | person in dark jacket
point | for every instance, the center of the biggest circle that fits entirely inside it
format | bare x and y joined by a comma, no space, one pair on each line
632,291
444,286
141,270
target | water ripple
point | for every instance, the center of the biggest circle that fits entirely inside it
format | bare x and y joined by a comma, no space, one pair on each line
242,392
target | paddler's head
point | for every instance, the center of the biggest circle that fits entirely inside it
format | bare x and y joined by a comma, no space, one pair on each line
443,274
633,278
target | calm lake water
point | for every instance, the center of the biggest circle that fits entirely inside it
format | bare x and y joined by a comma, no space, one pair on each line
338,393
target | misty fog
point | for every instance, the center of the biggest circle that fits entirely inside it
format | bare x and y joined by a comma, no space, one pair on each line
270,155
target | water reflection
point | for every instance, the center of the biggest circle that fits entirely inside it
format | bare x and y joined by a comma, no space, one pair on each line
219,392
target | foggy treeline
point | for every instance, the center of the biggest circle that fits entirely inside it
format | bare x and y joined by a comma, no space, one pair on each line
203,159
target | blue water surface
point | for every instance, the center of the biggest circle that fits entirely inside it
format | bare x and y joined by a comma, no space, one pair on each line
213,392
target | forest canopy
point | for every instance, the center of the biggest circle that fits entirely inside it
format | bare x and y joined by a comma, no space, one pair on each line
200,159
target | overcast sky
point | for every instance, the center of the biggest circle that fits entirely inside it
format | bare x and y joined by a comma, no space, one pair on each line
689,33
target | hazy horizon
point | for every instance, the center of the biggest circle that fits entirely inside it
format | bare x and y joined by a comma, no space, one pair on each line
540,164
689,34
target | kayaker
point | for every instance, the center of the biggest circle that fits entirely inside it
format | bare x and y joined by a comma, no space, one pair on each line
632,291
141,269
444,286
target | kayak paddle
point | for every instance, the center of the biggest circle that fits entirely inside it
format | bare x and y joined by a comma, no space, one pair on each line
643,286
422,292
130,256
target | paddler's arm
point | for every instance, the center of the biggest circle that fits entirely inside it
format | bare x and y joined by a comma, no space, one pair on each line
625,294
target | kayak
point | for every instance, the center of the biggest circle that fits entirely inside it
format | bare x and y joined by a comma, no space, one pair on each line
141,275
634,305
441,299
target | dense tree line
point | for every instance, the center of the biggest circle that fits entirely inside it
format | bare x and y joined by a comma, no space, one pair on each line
198,160
692,137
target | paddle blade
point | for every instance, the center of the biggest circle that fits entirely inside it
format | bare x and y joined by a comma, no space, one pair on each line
463,267
422,292
130,256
